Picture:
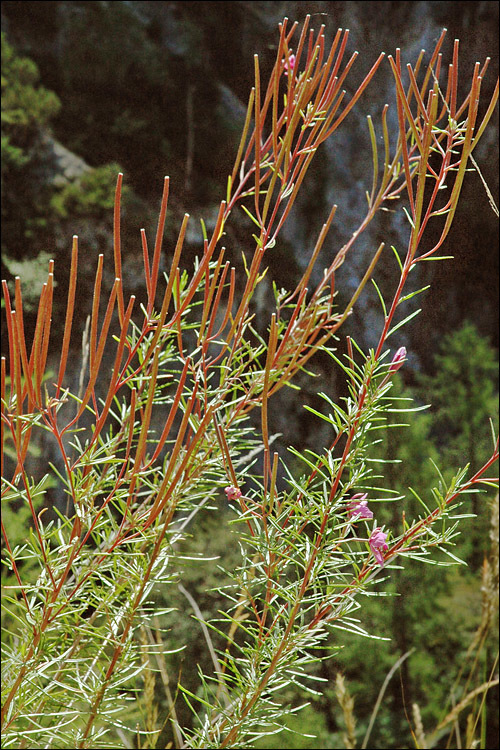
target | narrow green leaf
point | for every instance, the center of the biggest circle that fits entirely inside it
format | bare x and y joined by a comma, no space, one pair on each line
403,322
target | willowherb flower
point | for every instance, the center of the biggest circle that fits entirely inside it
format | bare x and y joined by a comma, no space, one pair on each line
233,493
358,507
377,544
398,359
290,64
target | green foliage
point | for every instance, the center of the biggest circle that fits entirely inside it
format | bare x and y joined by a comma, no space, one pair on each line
36,198
26,108
146,115
90,195
303,729
33,271
463,393
440,624
464,396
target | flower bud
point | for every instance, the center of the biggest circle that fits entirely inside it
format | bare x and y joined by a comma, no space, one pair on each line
233,493
290,64
398,359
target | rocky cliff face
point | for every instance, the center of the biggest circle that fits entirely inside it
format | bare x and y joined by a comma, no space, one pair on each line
343,172
160,88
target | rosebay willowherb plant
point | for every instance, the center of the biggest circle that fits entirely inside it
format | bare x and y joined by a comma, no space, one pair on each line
81,583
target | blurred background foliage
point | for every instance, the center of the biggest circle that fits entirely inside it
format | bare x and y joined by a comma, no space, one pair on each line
154,88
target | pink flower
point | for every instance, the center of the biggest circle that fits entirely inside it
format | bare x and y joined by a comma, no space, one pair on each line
377,544
233,493
358,508
398,359
290,64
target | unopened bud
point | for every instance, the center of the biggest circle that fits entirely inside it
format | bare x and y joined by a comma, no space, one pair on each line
233,493
398,359
290,64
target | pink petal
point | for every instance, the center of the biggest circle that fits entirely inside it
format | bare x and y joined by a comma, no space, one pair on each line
398,359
